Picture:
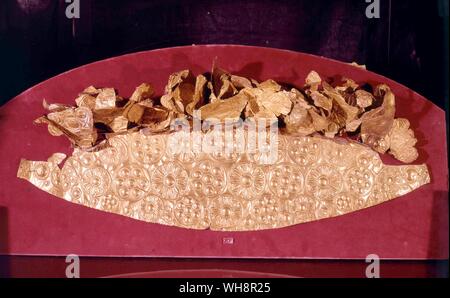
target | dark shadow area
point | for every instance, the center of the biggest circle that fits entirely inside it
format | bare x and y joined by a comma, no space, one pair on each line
27,266
439,237
4,246
407,43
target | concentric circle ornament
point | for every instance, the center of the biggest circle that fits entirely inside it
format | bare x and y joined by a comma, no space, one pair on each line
345,202
150,208
304,151
226,152
147,149
230,156
268,153
131,182
285,180
340,155
109,203
415,177
96,181
225,212
183,147
302,207
170,179
265,211
247,181
208,179
87,159
323,181
359,180
41,171
76,195
190,212
370,160
70,173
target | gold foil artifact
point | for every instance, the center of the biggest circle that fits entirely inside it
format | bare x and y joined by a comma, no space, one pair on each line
140,177
338,107
124,163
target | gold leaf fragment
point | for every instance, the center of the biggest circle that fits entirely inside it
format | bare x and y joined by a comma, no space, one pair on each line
230,108
142,92
198,95
377,123
363,98
402,141
106,99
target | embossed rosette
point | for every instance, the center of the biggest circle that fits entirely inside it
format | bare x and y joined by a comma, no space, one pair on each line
140,177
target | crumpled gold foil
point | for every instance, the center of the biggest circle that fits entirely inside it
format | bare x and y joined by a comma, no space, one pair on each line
332,107
140,177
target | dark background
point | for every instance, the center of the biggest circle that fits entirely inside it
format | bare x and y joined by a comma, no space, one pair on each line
408,43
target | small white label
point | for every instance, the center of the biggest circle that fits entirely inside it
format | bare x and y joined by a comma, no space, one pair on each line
228,240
